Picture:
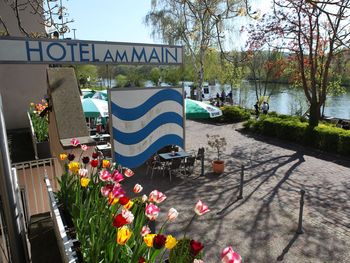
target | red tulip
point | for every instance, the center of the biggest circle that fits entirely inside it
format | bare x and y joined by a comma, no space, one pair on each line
123,200
94,163
119,221
196,247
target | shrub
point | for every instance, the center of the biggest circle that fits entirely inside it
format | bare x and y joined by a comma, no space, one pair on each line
232,114
292,128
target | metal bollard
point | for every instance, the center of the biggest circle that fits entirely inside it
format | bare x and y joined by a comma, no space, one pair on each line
202,161
240,196
300,225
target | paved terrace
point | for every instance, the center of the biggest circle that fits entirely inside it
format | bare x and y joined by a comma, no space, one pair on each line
261,227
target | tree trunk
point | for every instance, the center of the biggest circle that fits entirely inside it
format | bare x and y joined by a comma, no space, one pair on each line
314,114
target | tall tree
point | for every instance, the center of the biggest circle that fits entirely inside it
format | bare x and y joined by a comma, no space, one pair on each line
195,23
315,31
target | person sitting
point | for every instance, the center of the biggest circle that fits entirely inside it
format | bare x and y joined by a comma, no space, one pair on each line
256,107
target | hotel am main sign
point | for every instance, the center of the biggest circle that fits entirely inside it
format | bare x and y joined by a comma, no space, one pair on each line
52,51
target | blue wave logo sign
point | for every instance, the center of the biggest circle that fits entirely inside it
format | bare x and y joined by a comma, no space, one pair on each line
145,120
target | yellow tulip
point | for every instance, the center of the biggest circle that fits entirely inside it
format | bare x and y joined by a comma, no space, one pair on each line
84,181
112,200
149,239
73,167
170,242
129,205
63,156
123,235
105,163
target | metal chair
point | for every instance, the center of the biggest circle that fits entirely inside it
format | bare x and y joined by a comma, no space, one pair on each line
189,164
154,164
174,166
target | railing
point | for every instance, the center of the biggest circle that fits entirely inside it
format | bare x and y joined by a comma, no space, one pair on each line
31,180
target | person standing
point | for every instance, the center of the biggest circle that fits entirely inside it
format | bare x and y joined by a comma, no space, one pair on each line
265,107
256,107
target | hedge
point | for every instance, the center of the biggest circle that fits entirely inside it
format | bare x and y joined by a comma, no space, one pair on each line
232,114
325,137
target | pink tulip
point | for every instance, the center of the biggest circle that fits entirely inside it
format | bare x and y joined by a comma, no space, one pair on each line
172,214
128,172
229,256
83,172
117,176
105,175
144,198
201,208
84,147
74,142
137,188
156,197
105,190
118,191
145,230
152,211
128,215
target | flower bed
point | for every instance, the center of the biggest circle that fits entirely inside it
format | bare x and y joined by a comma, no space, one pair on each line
113,226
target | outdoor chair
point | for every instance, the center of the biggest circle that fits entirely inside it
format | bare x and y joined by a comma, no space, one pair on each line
174,166
189,164
199,155
154,164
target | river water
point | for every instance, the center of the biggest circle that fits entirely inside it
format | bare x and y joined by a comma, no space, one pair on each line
286,100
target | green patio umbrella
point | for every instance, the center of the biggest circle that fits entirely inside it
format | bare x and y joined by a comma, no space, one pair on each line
94,108
200,110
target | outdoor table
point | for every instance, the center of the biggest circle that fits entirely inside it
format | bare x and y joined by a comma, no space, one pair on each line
105,149
101,137
169,156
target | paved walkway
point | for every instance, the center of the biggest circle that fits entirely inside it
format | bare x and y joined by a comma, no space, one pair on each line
261,226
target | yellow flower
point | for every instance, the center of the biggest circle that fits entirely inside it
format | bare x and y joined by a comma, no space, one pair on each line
105,163
32,104
170,242
84,181
129,205
73,167
149,239
63,156
112,200
123,235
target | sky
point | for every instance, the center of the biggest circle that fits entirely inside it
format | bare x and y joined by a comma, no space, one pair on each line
114,20
109,20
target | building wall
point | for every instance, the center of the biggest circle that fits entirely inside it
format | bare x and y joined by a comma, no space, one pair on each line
20,84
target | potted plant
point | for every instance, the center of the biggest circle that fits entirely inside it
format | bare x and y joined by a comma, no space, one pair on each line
39,129
217,143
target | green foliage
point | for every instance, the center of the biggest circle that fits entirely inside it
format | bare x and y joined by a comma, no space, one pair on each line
181,253
40,124
121,80
155,75
325,137
232,114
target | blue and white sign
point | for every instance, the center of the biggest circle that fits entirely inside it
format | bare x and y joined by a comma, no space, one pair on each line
50,51
144,121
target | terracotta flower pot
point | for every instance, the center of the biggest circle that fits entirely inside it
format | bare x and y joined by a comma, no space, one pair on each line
218,166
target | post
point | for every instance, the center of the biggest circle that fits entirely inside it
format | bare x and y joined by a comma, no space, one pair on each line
240,196
202,161
300,225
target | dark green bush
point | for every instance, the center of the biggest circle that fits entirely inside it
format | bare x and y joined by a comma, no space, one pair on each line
232,114
325,137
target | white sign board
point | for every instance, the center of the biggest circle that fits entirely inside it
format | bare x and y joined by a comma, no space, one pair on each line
50,51
143,121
